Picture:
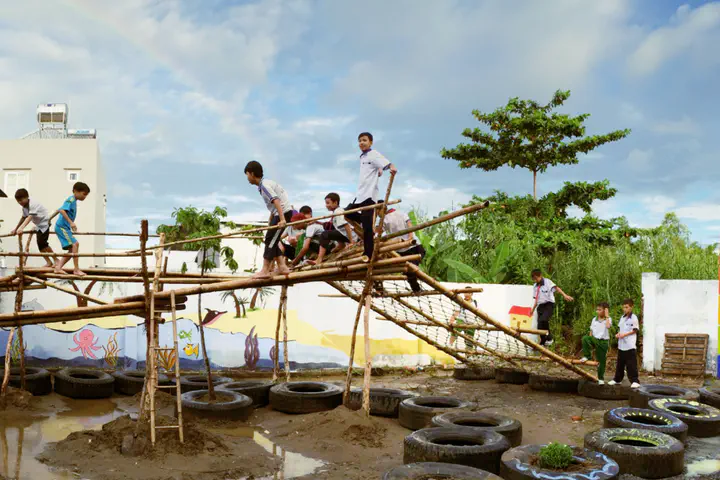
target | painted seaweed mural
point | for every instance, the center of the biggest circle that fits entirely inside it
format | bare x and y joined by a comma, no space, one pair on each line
111,351
252,350
167,359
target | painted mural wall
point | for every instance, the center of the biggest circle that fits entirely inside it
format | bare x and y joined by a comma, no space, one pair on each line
319,330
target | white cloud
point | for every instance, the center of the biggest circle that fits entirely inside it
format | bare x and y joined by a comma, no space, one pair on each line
684,126
209,201
658,204
700,211
689,29
639,159
631,113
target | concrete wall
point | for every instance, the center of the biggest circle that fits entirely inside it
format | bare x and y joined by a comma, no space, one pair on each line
47,161
678,306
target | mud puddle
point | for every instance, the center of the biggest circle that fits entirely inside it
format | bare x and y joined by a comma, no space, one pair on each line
702,457
293,464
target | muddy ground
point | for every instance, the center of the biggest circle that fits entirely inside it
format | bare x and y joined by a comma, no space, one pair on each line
340,444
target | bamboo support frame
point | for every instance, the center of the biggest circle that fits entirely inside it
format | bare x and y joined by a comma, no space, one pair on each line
6,377
435,221
423,293
72,255
66,290
18,308
276,361
466,326
286,351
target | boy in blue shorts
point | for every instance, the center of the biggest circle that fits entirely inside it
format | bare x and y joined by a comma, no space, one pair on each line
65,227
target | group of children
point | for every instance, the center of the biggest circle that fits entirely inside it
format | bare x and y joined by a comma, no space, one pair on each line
544,291
310,241
65,227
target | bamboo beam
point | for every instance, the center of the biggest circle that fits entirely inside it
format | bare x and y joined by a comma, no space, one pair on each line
25,288
337,263
509,331
423,293
466,326
435,221
276,361
70,317
66,290
574,361
104,234
79,255
18,307
286,350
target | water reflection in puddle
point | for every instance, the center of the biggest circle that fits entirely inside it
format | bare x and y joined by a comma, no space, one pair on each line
293,464
702,457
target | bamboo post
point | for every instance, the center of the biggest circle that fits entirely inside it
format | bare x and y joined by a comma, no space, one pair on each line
154,334
286,352
507,330
18,308
276,361
368,358
148,350
6,377
178,391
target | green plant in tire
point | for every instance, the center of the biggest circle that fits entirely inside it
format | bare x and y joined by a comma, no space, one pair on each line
556,456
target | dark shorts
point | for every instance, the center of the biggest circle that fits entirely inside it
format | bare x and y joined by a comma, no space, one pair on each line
42,239
289,251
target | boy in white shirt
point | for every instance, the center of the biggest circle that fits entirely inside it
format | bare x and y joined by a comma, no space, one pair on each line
627,346
396,221
311,243
544,302
599,339
341,231
38,215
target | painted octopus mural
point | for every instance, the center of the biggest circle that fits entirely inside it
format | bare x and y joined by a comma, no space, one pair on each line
85,343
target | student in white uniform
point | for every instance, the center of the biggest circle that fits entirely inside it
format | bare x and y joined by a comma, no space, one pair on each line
627,346
372,165
396,221
340,230
311,244
544,302
37,214
598,340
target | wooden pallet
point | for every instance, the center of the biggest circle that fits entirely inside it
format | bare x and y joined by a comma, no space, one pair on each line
685,354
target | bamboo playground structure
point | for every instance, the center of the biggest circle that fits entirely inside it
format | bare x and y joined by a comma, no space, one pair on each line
440,316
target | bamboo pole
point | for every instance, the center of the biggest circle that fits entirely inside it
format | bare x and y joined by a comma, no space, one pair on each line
435,221
79,255
167,281
466,326
424,293
6,377
276,361
509,331
368,357
104,234
286,351
274,227
18,308
154,336
337,263
574,361
60,288
137,310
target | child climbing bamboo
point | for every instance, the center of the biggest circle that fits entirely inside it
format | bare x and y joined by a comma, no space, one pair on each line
598,340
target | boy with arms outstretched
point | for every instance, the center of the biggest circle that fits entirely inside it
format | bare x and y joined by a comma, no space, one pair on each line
276,201
340,232
65,227
627,346
36,213
599,339
544,302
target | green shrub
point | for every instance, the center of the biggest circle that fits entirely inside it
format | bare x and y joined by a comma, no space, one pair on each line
555,455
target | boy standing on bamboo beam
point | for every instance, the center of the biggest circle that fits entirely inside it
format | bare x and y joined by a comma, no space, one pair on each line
372,164
33,211
65,227
277,203
396,221
340,231
598,340
544,302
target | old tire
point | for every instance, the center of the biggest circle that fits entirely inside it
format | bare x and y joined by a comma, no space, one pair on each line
589,389
257,390
639,397
464,446
643,453
517,464
506,426
548,383
305,397
511,375
83,383
416,413
430,470
190,383
663,422
484,372
702,420
384,402
37,380
710,396
238,407
130,382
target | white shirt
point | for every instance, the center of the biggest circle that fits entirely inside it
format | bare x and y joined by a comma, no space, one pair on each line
313,231
396,221
545,292
292,232
270,191
371,163
339,222
599,329
38,215
627,324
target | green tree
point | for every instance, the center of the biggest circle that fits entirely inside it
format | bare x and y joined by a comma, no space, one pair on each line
528,135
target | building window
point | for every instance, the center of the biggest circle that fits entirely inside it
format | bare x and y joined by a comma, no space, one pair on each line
73,175
15,179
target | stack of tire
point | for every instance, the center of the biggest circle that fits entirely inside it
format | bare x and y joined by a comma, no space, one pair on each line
37,380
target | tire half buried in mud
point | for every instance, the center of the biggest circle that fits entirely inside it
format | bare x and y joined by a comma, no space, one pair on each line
130,382
590,389
710,396
506,426
416,413
702,420
228,406
384,402
639,397
547,383
511,375
436,470
663,422
643,453
480,372
189,383
518,464
37,380
83,383
464,446
305,397
257,390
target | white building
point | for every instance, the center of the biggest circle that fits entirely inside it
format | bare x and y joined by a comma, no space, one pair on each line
47,163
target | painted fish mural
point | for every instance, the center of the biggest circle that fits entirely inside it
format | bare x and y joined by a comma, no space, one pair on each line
192,349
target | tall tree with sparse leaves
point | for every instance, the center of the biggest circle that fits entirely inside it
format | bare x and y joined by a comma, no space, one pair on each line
528,135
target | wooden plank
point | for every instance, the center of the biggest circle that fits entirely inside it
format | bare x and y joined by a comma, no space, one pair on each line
683,372
687,335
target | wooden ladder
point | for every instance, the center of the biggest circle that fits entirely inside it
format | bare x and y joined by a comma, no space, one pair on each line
153,383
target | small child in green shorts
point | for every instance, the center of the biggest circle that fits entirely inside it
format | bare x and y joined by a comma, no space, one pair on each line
599,339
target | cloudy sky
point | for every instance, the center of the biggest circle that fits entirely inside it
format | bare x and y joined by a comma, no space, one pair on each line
184,93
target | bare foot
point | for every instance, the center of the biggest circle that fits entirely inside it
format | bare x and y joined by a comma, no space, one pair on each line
261,274
282,271
311,262
79,273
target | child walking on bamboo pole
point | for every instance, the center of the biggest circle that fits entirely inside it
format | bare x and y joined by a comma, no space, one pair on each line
544,292
65,227
277,203
34,212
